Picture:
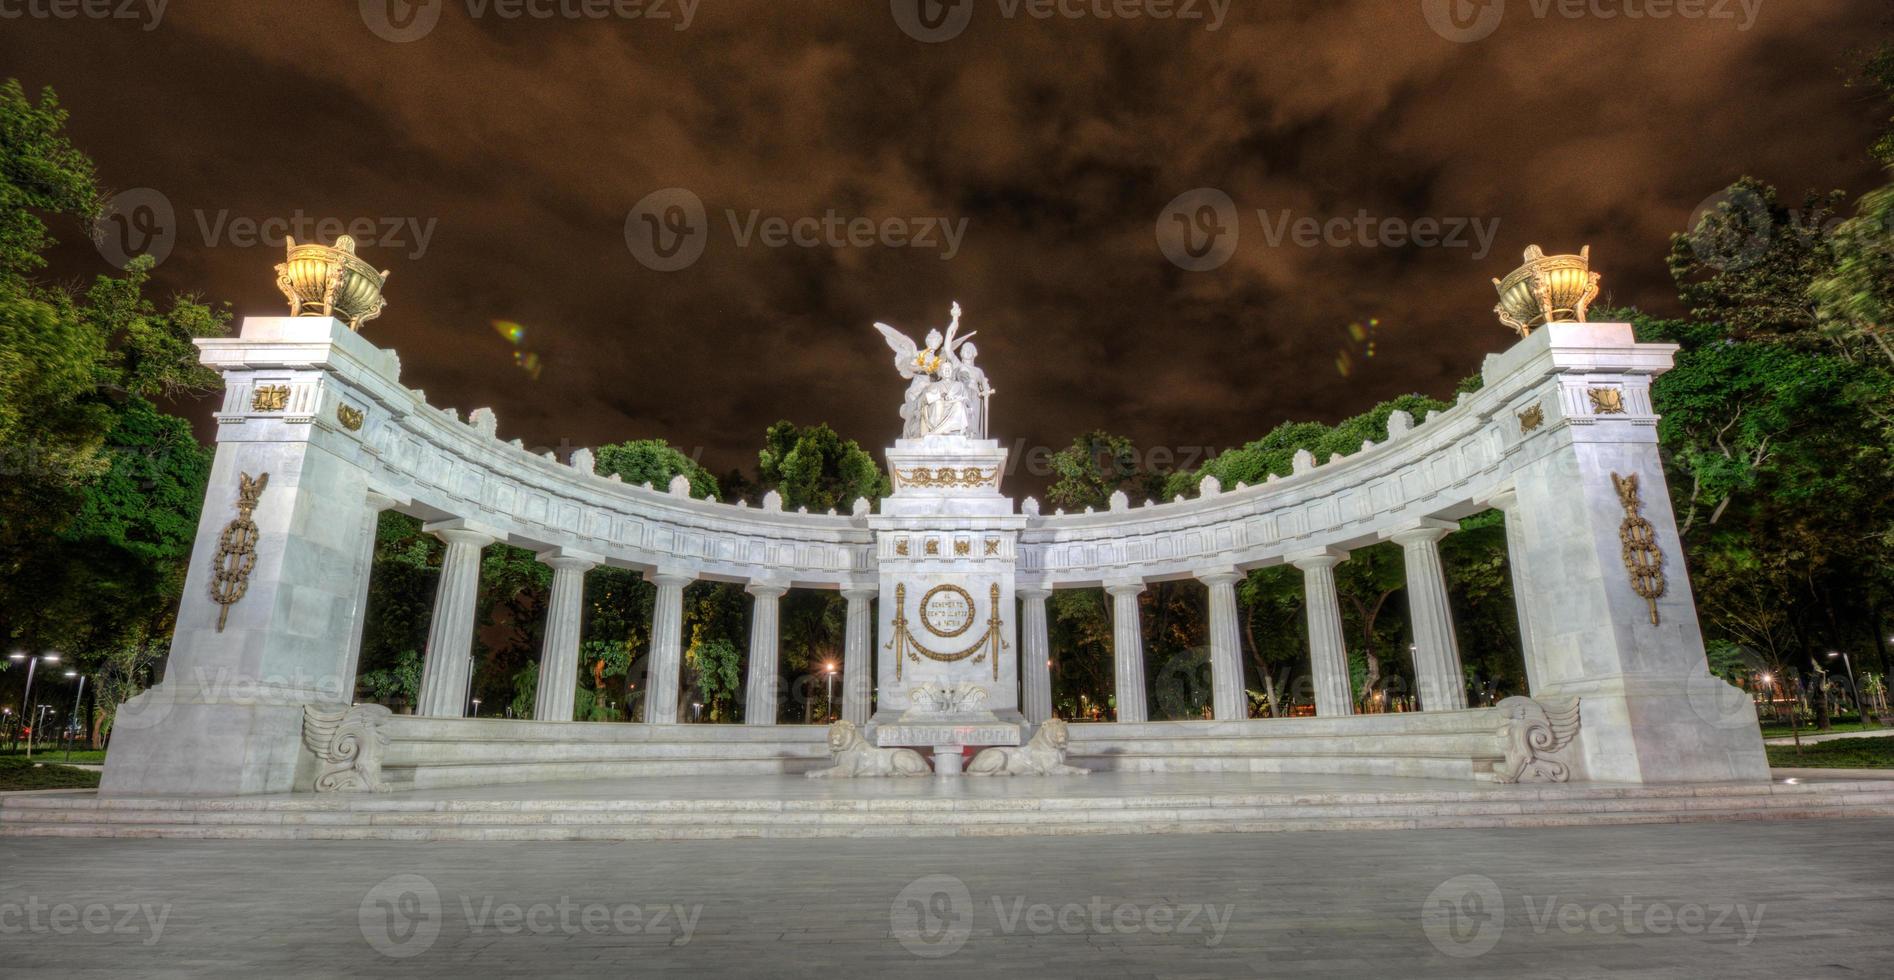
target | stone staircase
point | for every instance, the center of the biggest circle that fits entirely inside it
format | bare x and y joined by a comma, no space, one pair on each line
970,812
1441,745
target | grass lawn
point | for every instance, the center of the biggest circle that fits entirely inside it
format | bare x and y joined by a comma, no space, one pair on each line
1842,753
1782,729
52,753
17,773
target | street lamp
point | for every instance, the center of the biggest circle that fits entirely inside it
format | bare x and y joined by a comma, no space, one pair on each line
1852,689
77,699
476,704
829,668
27,695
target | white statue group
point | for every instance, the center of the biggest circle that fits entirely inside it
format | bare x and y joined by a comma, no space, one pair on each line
948,394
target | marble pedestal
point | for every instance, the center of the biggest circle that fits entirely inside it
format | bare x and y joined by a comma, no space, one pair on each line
947,734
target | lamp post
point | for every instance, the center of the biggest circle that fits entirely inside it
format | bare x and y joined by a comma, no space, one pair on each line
26,696
77,699
1853,691
476,708
829,706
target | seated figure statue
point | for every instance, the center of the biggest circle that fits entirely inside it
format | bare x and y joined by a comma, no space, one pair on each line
854,758
1043,755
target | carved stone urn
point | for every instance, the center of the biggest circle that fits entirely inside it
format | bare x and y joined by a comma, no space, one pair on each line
324,280
1547,289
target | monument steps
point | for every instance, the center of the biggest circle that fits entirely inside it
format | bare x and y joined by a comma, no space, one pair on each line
368,817
1442,745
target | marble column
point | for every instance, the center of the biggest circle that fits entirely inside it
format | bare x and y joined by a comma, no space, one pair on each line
1328,655
1035,655
559,654
663,673
1227,697
1508,503
1127,647
447,669
364,571
858,677
1439,678
760,692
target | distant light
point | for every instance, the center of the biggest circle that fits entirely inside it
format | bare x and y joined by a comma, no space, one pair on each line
51,658
72,673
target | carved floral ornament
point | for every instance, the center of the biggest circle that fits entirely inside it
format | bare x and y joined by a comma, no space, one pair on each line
1533,733
947,477
236,549
348,742
1643,560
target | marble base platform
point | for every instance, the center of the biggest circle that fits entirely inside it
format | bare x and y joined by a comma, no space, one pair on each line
791,806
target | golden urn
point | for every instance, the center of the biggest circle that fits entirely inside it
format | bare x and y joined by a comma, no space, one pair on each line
323,280
1547,289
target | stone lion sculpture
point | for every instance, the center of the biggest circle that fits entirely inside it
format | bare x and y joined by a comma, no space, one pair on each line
854,758
1043,755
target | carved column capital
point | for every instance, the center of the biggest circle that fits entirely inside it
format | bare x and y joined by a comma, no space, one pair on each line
1319,558
1427,529
1220,576
1120,589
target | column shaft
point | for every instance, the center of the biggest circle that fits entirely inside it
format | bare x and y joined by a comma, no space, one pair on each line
1227,697
1328,654
1127,642
858,682
1440,681
559,654
760,698
365,570
1035,653
1508,504
446,671
667,650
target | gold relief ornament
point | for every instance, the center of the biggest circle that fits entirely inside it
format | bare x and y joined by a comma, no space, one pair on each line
236,549
1547,289
907,647
269,398
1606,401
1531,419
350,417
324,280
947,477
1643,560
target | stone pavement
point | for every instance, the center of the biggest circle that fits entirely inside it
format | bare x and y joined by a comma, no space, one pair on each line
1777,899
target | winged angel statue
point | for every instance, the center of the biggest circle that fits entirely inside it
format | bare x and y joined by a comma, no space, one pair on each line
948,393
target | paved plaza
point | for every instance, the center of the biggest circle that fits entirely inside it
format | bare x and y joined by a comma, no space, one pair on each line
1779,899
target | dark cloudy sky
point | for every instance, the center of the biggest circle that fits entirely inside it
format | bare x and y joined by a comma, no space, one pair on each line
525,144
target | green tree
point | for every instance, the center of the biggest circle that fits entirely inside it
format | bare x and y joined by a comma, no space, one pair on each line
99,492
813,467
654,461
